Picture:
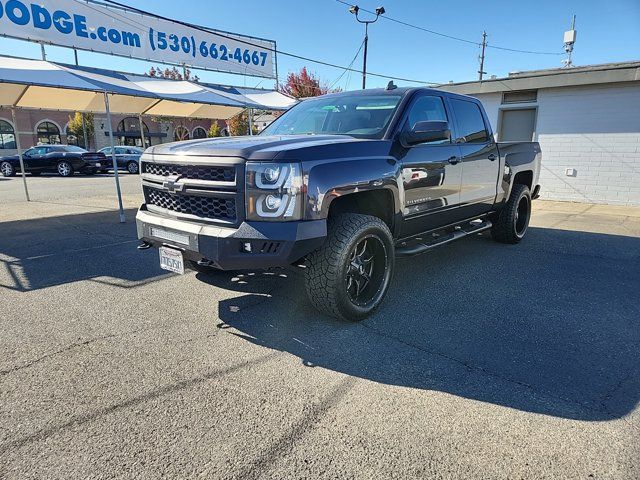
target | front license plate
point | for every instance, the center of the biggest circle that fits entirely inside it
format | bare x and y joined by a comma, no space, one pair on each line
171,260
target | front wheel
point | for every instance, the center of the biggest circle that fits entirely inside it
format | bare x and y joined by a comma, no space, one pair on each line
65,169
349,275
132,167
7,169
513,220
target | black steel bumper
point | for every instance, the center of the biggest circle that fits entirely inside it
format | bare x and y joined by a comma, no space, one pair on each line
251,245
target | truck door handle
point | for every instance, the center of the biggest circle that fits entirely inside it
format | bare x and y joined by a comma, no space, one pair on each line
492,157
453,160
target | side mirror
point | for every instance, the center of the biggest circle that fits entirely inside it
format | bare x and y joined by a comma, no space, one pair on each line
423,132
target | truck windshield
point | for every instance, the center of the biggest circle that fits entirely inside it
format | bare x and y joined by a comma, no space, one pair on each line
361,116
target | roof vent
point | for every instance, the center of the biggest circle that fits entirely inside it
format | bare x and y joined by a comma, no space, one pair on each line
391,86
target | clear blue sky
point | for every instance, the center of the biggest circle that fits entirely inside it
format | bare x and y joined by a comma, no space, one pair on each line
608,31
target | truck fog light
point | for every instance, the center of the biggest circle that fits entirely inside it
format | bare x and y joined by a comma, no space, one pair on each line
272,202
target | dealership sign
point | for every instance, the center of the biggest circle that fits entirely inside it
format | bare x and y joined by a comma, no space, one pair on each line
89,25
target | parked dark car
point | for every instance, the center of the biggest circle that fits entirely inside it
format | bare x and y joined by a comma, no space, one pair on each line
344,183
127,158
61,159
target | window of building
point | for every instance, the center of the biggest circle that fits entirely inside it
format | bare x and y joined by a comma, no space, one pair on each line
471,127
7,136
520,96
128,132
180,133
199,132
48,132
517,125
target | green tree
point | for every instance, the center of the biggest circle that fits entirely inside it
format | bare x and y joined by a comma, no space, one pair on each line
75,127
214,130
172,74
239,125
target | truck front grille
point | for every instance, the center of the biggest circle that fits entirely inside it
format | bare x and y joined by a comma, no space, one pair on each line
210,207
197,172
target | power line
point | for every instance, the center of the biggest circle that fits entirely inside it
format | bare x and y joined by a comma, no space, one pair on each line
450,37
274,50
350,65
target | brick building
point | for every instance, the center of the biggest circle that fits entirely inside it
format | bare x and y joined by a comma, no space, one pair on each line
47,126
587,120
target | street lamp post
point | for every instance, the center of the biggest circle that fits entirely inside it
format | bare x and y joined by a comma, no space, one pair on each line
379,11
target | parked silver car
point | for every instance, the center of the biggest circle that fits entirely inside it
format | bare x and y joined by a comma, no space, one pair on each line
127,158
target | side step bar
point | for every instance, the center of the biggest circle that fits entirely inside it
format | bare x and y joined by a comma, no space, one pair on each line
460,232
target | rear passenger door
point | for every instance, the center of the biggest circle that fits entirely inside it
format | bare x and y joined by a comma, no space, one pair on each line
479,158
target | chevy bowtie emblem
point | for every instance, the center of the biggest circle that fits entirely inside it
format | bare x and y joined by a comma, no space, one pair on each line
170,183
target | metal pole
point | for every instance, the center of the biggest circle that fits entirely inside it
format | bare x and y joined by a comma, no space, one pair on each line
16,135
364,64
44,54
113,156
484,45
142,131
84,125
251,121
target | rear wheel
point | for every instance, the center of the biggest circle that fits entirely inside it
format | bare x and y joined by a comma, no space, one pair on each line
65,169
7,169
512,222
349,275
132,167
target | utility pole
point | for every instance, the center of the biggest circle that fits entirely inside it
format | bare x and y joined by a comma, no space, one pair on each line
481,72
43,52
364,62
379,11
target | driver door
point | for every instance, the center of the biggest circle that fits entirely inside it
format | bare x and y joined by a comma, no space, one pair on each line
431,172
35,160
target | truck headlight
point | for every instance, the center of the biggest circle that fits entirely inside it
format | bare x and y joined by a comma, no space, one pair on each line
274,191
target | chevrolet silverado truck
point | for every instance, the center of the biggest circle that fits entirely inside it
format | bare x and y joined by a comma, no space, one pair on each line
341,185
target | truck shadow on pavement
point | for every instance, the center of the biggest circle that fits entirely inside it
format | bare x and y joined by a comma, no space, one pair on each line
44,252
549,326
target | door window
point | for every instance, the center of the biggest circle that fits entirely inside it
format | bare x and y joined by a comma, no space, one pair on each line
427,108
470,122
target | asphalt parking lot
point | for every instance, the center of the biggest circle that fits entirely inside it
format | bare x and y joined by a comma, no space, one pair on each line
486,360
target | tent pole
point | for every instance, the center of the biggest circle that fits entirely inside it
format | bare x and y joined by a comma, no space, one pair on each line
16,135
142,132
113,157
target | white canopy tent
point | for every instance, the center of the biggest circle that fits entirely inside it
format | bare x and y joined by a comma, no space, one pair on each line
38,84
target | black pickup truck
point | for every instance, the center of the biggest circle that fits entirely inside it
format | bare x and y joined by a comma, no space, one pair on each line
340,184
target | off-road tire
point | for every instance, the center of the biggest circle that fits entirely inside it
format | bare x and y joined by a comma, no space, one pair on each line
505,227
7,169
327,268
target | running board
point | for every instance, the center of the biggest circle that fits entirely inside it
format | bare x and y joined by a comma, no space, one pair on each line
420,247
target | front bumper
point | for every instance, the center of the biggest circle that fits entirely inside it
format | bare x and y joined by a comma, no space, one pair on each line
272,244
